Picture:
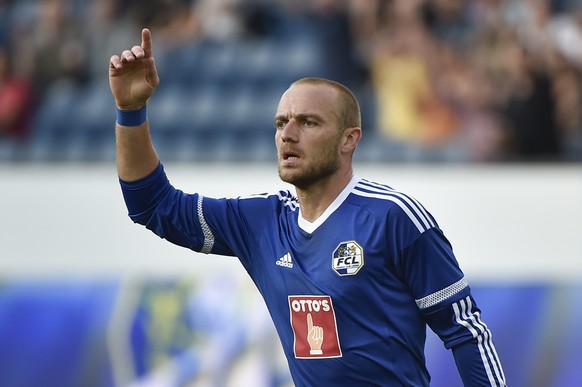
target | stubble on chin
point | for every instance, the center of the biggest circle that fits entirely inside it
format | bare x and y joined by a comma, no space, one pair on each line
309,175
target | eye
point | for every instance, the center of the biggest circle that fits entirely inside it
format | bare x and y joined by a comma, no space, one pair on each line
309,123
279,124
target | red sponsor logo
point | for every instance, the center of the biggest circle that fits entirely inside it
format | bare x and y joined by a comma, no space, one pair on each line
314,327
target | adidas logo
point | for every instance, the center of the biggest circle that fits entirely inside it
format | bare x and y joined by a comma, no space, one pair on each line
285,261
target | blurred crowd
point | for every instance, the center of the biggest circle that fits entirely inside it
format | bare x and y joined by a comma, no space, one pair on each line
497,79
483,80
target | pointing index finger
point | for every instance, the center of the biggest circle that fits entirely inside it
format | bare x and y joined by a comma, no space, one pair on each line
309,322
146,42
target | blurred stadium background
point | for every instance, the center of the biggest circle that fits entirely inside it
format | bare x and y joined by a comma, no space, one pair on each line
473,106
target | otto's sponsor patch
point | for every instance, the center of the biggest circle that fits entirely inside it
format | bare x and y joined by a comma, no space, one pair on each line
314,327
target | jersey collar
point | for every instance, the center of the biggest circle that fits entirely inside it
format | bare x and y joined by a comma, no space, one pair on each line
310,227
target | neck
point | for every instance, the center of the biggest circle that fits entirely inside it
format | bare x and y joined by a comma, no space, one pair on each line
315,199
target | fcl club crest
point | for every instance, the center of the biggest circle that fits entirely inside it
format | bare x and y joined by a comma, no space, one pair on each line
348,258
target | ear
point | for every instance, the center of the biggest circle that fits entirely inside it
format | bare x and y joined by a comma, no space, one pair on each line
351,137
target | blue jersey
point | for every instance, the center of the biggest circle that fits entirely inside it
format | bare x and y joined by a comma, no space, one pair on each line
350,294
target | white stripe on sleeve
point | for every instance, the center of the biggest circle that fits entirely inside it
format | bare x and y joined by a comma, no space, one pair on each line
464,316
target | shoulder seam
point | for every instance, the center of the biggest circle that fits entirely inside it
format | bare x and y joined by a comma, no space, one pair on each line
285,197
411,207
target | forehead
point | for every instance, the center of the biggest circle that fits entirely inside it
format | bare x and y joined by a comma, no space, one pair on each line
308,98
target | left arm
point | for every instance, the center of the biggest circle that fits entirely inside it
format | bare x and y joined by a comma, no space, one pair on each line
444,298
460,327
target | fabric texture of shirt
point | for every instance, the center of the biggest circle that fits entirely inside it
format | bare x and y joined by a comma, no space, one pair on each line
350,294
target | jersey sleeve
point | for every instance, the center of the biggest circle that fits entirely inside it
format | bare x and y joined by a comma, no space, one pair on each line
170,213
426,263
224,226
461,328
236,222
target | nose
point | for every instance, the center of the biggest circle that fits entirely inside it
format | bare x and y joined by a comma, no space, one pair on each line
289,132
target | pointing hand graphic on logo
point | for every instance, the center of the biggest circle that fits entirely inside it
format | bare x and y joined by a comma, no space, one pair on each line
308,337
314,336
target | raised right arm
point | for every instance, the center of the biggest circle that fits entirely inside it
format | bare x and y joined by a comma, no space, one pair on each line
133,78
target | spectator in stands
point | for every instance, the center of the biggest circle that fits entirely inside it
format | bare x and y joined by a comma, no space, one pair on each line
108,27
221,20
530,107
447,21
177,22
16,99
411,111
464,86
337,42
57,40
567,88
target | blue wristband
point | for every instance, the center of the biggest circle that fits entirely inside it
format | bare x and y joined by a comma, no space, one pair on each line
131,117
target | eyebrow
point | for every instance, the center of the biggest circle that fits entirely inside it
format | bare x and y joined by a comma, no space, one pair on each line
302,116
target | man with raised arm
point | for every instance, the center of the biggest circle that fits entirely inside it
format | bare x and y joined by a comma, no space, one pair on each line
351,270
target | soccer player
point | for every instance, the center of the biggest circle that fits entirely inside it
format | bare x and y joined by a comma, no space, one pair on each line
351,271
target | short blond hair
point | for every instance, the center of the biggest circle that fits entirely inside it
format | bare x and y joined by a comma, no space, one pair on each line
348,112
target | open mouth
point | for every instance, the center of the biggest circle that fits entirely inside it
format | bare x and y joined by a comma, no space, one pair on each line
290,156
